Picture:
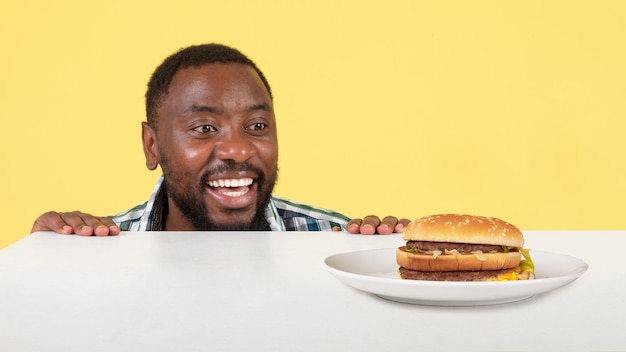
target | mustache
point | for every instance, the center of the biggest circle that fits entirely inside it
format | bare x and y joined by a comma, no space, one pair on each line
226,167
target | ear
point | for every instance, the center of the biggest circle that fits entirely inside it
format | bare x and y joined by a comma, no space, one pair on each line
150,150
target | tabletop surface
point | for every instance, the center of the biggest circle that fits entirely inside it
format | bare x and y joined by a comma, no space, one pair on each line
271,291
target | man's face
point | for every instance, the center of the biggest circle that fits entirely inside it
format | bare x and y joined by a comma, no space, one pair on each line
216,143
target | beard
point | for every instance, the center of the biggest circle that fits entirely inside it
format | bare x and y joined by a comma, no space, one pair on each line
188,198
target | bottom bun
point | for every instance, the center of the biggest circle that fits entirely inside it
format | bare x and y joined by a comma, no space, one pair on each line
483,275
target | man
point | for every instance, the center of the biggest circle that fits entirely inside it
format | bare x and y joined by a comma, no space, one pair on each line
211,127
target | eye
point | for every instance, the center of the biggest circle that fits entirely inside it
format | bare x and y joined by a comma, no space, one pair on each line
259,126
205,129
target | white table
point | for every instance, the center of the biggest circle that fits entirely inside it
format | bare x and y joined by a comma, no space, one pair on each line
186,291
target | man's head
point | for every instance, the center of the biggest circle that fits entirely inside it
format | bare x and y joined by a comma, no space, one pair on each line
211,128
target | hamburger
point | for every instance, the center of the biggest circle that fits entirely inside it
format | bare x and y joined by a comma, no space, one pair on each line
458,247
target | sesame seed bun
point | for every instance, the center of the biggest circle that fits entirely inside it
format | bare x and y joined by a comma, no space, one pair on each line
460,228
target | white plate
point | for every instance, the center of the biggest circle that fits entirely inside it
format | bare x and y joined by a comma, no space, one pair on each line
375,271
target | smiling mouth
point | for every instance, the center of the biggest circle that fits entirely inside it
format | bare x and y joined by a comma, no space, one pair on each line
231,187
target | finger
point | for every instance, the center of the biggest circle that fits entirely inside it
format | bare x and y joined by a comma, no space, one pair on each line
369,225
51,221
401,225
387,226
100,226
353,226
115,230
102,230
76,221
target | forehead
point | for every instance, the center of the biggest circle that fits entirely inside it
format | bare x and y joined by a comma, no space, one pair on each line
225,86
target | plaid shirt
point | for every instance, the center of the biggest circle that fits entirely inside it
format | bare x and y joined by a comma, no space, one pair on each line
281,214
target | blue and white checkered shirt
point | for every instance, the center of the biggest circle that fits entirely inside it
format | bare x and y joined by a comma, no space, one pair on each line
281,214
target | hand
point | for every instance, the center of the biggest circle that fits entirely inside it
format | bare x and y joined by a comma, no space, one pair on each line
372,224
75,222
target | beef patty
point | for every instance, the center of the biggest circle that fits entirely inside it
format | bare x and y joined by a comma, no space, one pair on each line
451,275
462,248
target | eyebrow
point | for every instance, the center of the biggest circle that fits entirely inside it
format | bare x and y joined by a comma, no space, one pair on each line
214,110
204,108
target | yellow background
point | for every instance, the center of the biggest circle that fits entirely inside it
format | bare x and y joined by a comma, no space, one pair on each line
512,109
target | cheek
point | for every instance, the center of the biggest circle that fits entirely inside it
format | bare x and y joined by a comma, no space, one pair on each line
188,149
191,153
185,157
269,153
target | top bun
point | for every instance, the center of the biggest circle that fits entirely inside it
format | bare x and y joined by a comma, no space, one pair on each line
460,228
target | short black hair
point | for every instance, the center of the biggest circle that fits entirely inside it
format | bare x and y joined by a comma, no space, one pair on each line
192,56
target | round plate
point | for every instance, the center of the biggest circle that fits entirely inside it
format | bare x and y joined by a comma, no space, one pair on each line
375,271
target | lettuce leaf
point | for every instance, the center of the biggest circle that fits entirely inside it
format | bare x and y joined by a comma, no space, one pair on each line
527,262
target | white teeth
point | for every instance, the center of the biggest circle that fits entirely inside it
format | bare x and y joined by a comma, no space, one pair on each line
223,184
235,194
233,182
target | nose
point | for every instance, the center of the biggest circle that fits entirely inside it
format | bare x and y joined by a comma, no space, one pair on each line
236,147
